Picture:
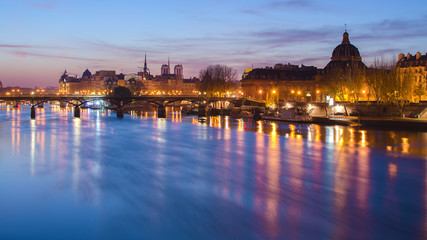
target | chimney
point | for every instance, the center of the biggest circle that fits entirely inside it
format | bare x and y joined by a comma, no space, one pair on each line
408,56
418,55
400,57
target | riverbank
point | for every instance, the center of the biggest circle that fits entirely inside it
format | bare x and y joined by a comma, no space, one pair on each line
414,124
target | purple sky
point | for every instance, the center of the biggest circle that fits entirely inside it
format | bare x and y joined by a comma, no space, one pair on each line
39,39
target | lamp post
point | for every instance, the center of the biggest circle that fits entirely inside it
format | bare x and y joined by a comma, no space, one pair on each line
274,97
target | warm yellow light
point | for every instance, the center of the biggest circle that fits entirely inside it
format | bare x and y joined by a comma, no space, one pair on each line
317,91
299,92
363,91
292,91
274,91
260,91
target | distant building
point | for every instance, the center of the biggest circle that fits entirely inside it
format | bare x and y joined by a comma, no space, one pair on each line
96,84
17,91
169,84
288,82
142,83
416,66
298,83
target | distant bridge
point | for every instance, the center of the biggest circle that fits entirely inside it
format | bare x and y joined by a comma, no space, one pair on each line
161,101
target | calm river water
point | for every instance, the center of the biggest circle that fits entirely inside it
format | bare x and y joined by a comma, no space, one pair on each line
140,177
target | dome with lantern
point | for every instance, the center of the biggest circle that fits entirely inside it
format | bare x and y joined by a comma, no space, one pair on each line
346,51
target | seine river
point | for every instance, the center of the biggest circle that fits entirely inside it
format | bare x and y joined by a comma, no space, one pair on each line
99,177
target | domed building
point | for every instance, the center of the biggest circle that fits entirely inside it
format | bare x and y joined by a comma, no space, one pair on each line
294,83
345,55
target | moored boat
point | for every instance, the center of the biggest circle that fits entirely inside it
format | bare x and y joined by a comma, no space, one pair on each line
295,114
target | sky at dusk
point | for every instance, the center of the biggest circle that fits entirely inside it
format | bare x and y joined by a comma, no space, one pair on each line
40,39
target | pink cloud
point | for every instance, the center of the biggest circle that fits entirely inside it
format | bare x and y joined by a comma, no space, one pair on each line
63,56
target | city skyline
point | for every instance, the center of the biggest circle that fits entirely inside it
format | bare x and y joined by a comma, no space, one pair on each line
42,38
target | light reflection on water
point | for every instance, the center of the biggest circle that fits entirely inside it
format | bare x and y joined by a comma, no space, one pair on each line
143,177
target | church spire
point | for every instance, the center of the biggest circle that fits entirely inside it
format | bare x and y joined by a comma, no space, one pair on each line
145,64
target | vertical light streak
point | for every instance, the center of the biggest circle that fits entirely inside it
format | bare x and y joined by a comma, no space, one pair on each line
76,152
392,170
33,147
292,128
340,194
241,125
363,184
273,129
362,142
317,133
260,127
351,141
405,145
273,181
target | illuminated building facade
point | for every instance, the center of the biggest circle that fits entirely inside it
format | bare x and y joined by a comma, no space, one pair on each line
416,66
167,83
298,83
142,83
284,82
98,84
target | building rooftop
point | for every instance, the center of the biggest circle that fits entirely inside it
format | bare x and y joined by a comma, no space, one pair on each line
293,73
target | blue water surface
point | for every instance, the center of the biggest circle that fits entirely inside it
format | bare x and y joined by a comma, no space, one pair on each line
99,177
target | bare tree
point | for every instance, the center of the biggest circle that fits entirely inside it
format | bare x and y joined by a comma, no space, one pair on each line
334,83
355,80
216,80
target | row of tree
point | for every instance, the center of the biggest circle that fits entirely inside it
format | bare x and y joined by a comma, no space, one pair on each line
382,82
